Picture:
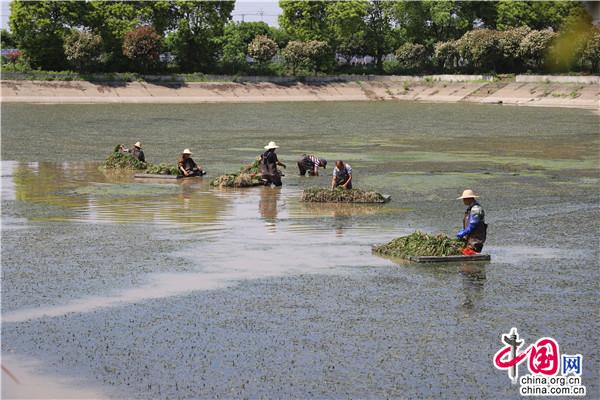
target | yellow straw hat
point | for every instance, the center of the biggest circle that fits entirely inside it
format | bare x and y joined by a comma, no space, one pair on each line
138,144
468,194
271,145
186,151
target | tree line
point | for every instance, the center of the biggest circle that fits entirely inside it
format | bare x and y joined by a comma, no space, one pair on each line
313,37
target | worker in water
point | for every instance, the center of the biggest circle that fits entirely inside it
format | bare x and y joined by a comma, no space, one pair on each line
311,163
187,166
136,152
342,175
268,165
474,226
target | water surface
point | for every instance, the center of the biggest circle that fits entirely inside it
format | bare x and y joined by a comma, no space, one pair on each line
174,289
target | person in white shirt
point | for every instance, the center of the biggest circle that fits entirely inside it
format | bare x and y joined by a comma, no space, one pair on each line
342,175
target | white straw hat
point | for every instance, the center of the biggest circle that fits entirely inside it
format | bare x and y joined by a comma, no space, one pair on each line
271,145
468,194
138,144
186,151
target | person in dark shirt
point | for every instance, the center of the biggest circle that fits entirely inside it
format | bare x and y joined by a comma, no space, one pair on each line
187,166
268,165
136,152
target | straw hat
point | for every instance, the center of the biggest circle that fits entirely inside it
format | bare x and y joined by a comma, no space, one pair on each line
468,194
138,144
186,151
271,145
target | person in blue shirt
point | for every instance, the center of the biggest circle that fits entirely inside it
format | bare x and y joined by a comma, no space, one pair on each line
474,229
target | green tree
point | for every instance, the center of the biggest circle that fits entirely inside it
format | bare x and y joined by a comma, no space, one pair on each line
304,20
294,55
412,58
195,41
428,22
312,55
591,52
510,48
317,53
83,49
446,56
235,40
480,49
262,49
534,48
142,46
346,26
378,36
39,29
537,14
7,39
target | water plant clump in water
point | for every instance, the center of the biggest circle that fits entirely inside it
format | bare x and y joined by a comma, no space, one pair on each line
421,244
248,176
162,169
339,195
119,160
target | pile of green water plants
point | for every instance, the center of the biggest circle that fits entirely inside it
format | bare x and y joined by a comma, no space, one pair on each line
162,169
340,195
120,160
249,175
421,244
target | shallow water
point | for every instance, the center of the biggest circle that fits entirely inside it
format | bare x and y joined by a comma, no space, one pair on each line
174,289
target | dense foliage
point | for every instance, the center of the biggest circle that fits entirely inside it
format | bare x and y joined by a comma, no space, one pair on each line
314,36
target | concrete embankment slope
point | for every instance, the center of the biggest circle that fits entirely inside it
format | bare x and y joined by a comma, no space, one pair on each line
543,91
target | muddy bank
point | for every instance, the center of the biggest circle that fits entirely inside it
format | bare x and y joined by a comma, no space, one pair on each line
546,94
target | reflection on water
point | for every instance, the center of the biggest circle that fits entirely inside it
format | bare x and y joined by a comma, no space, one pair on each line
473,280
96,196
267,206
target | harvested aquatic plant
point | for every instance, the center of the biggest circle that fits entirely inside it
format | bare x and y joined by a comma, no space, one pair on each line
120,160
248,176
339,195
421,244
162,169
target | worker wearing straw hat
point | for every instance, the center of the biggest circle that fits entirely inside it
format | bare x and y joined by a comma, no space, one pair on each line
187,166
268,165
136,152
474,226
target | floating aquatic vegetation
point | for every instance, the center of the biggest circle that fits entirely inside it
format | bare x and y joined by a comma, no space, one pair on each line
421,244
162,169
339,195
119,160
248,176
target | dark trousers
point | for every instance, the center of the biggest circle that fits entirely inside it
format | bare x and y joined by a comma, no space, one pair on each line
305,167
272,179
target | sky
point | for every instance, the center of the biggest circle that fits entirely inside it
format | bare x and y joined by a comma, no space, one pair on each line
248,10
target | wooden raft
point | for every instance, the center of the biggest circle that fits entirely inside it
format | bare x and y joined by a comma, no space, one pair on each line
432,259
163,176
